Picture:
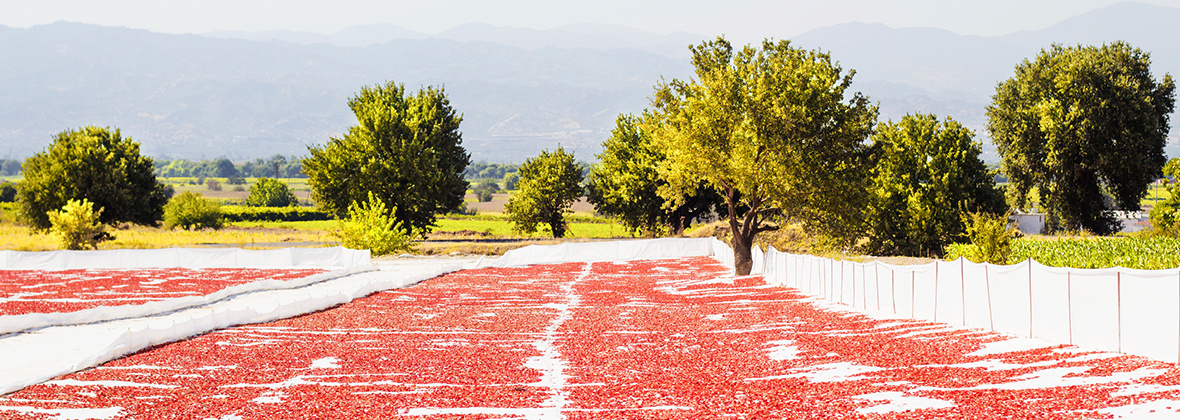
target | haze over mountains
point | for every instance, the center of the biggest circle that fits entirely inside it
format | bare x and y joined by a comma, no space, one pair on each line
247,95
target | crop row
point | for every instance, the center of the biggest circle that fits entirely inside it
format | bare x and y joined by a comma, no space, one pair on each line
1152,253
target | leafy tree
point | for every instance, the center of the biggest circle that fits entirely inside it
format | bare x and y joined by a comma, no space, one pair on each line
192,211
549,184
624,184
10,167
269,192
405,149
772,130
369,226
485,189
928,176
510,180
1077,121
7,192
1165,215
223,168
96,164
77,226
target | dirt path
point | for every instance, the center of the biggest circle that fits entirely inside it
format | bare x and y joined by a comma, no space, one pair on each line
643,339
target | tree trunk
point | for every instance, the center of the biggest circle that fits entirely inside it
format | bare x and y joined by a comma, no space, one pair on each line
742,260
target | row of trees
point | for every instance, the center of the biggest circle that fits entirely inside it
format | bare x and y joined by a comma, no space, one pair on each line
774,135
278,166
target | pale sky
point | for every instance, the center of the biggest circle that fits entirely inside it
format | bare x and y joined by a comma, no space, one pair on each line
741,20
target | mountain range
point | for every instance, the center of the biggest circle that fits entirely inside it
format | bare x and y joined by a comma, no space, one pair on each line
246,95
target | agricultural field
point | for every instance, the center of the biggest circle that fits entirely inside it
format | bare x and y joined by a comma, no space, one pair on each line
1140,252
674,338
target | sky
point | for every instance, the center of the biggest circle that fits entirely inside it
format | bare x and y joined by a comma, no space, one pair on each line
741,20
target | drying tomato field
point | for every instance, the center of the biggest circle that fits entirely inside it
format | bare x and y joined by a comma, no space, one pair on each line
39,291
652,339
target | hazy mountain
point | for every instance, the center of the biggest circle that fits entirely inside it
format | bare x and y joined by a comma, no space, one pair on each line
936,71
357,36
193,96
245,95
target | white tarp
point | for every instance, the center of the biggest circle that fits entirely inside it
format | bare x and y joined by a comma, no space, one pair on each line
613,251
328,258
1116,309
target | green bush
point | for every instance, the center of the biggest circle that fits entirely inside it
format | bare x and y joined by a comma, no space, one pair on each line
1165,216
991,238
273,214
7,192
76,225
269,192
369,226
192,211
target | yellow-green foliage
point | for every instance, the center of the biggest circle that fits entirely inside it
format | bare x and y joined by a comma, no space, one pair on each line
1165,216
369,226
76,225
990,236
190,210
1146,253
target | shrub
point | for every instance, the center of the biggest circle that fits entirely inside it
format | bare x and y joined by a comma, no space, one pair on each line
192,211
7,192
76,225
1165,216
269,192
273,214
991,238
213,185
369,226
236,180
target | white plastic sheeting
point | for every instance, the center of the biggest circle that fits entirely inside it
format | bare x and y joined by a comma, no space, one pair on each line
1117,309
329,258
23,322
31,358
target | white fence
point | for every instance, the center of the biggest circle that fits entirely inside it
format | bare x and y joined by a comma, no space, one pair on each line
1118,309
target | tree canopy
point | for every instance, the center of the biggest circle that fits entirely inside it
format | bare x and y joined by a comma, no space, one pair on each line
269,192
96,164
1077,123
624,183
773,130
406,149
549,184
927,179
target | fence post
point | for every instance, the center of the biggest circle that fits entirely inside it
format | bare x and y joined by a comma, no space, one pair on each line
936,291
963,288
1030,299
1069,301
1119,296
987,283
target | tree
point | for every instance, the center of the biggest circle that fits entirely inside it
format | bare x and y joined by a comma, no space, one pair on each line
268,192
769,129
223,168
485,190
624,183
1165,215
1079,122
96,164
510,180
406,149
549,184
927,178
191,211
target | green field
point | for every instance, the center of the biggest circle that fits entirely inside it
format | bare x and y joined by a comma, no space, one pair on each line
1145,253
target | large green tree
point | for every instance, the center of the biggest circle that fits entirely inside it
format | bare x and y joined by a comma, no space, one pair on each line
549,185
928,177
1078,123
624,184
406,149
774,130
96,164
